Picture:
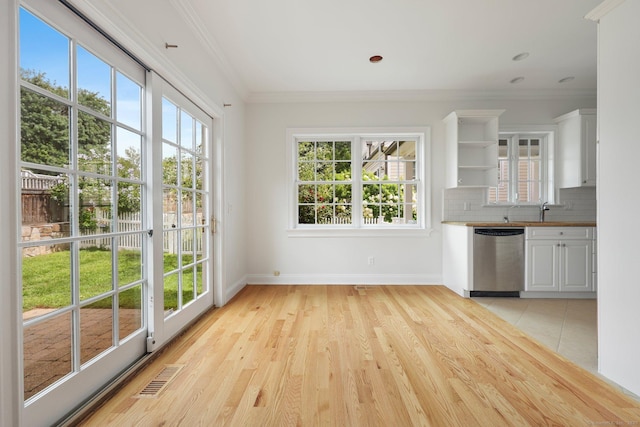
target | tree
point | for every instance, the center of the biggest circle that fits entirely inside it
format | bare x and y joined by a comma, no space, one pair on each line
44,125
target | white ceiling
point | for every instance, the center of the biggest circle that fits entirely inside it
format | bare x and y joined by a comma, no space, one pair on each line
294,46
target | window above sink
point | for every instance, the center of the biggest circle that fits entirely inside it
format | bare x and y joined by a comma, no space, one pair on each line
525,166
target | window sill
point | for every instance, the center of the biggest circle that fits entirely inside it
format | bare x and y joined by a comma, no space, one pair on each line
359,232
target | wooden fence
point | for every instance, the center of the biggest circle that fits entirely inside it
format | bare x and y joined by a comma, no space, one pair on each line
37,205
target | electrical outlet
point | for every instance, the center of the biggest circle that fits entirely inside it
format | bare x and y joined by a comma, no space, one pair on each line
371,260
276,273
467,206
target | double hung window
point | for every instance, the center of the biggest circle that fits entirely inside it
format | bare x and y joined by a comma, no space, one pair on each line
357,179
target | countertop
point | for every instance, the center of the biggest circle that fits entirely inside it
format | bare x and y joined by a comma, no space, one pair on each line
522,224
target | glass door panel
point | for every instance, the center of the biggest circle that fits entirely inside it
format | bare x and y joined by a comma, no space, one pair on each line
84,280
186,196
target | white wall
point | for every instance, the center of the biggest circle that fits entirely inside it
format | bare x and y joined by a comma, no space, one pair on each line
344,260
618,201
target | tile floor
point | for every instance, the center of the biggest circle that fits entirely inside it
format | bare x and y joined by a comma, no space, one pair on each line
567,326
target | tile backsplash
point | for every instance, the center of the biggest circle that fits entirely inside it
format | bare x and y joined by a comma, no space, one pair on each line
469,204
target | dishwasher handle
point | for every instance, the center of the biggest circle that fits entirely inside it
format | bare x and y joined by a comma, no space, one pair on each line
499,232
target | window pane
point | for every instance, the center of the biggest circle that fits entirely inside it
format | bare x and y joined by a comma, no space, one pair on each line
343,193
344,214
306,193
200,279
186,131
306,171
188,287
324,151
45,206
187,242
96,324
94,82
324,171
129,257
171,293
128,102
95,196
200,209
95,268
199,173
200,138
306,150
129,154
94,144
44,130
170,207
324,194
169,164
343,171
343,150
170,249
201,247
47,353
187,216
188,170
46,279
129,205
130,311
408,171
169,120
44,55
306,214
324,214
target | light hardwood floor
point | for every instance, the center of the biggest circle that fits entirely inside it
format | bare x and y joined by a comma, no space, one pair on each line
363,356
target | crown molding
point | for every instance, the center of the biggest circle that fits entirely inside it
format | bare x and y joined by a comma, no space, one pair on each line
602,9
199,29
414,96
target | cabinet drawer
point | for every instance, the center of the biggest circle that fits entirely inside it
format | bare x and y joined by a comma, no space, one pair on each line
563,233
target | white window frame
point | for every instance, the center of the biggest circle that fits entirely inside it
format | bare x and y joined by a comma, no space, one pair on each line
546,134
422,226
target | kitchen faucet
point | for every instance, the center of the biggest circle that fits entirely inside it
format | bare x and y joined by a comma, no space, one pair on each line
543,209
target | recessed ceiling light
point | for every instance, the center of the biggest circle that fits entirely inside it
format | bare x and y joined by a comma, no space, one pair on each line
566,79
517,80
520,56
375,59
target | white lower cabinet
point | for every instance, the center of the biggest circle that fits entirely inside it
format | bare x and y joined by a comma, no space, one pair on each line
559,259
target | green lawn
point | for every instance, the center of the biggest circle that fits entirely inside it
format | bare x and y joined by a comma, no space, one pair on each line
46,279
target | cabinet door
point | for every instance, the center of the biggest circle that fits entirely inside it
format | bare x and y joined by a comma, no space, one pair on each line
575,271
542,265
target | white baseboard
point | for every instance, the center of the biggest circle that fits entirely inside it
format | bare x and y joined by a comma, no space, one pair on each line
234,288
344,279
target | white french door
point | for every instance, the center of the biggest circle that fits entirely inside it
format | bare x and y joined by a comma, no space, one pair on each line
116,242
182,214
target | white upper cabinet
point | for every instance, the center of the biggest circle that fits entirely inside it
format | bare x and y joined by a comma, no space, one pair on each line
577,148
472,148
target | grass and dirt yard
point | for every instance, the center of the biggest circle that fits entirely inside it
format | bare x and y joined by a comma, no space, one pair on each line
46,279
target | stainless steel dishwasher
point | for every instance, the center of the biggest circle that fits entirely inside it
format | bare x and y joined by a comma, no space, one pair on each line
498,261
